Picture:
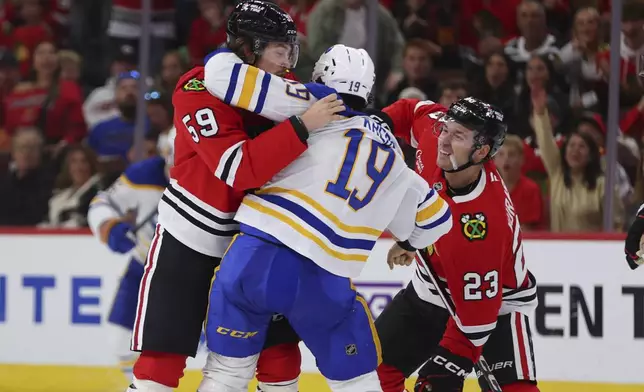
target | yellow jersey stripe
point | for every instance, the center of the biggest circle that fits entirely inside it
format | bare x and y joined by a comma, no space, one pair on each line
248,87
431,210
372,326
304,232
132,185
326,213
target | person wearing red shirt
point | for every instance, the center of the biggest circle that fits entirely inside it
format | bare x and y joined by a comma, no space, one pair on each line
46,102
525,193
208,31
505,11
33,32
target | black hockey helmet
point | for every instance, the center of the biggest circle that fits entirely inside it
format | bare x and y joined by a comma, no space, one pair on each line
483,119
259,23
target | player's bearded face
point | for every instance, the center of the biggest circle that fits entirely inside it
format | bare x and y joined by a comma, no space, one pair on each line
455,144
277,58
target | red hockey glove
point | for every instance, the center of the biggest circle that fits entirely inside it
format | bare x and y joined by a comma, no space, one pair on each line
443,372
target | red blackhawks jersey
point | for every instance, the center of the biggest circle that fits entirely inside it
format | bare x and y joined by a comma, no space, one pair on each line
480,261
220,153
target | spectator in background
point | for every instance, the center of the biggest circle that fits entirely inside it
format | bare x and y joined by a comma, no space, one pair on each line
9,77
76,185
632,46
112,139
497,85
345,22
160,112
534,38
70,65
48,103
525,193
173,66
451,91
592,125
125,27
417,68
34,31
577,185
504,12
540,74
299,11
579,59
27,186
208,31
100,104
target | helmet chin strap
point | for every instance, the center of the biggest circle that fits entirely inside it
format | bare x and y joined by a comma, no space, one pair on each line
456,168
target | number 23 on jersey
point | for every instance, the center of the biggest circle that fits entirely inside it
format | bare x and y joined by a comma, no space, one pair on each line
340,186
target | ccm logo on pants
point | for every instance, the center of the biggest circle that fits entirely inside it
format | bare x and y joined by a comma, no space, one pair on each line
235,334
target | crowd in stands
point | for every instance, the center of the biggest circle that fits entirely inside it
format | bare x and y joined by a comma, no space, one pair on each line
69,83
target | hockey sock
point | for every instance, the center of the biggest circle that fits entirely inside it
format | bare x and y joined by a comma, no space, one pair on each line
521,386
227,374
391,379
161,368
279,364
365,383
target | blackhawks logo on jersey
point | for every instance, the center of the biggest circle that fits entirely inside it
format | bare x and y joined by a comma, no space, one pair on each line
474,226
194,84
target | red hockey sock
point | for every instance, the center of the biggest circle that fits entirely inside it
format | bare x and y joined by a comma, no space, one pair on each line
162,368
391,379
279,363
521,386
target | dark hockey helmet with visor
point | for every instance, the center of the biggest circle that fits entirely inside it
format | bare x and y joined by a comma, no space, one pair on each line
260,23
485,120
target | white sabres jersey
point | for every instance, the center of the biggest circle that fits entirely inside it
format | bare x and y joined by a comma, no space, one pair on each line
134,197
333,202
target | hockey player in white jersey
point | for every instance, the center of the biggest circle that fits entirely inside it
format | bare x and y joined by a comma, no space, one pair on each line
124,217
307,232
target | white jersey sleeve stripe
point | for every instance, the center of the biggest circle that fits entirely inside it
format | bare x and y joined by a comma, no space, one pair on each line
242,85
227,167
303,231
323,211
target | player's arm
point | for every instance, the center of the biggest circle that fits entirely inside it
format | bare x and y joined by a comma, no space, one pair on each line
422,218
112,214
241,85
216,133
404,114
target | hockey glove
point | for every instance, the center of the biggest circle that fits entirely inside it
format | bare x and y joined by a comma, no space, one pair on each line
118,239
443,372
632,244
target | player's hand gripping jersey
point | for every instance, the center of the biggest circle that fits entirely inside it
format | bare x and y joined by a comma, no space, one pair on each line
480,261
213,141
320,207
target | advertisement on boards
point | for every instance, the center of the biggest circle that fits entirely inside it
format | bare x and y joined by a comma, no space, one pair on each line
56,292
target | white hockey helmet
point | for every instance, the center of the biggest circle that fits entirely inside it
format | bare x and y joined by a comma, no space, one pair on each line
347,70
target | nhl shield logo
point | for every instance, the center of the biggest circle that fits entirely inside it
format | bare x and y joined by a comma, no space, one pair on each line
351,349
438,186
474,226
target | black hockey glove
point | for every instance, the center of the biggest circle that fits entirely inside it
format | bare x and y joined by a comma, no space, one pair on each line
632,244
443,372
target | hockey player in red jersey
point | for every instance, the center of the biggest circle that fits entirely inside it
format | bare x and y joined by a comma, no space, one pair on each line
221,152
479,262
